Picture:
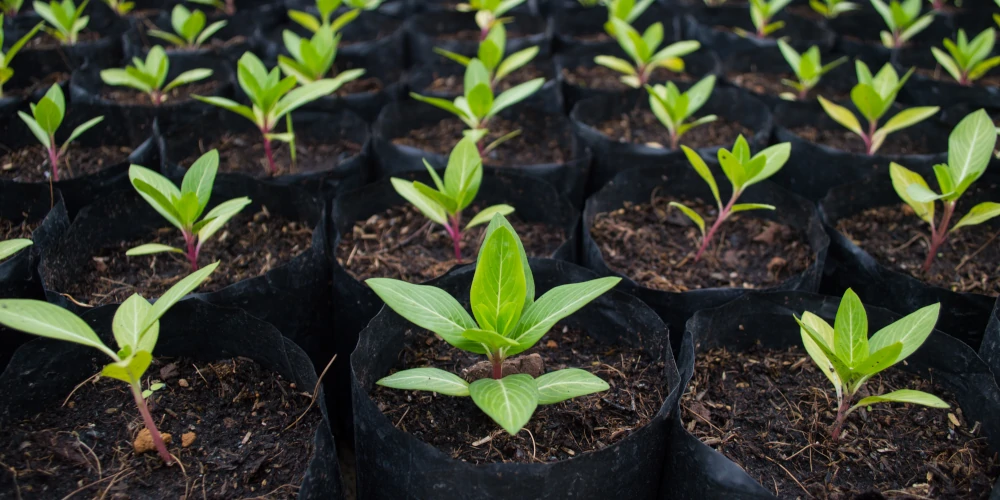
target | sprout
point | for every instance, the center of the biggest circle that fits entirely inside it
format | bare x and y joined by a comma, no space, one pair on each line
313,59
968,61
189,27
46,117
488,12
672,107
326,9
807,67
903,20
149,76
491,54
6,72
120,7
66,20
761,13
645,56
830,9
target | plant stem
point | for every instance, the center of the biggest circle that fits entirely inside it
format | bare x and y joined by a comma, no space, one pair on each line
804,93
497,368
872,127
192,250
838,425
147,419
271,167
54,158
939,234
675,140
230,7
157,97
723,214
455,232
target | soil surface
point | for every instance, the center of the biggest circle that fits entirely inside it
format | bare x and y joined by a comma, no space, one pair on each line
899,143
399,243
968,261
456,426
770,411
236,410
541,140
601,78
35,85
126,96
361,85
642,127
10,230
770,84
472,35
248,246
940,75
655,244
453,85
45,41
243,153
31,164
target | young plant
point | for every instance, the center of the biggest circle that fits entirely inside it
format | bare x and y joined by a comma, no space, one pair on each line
903,20
478,105
149,76
136,328
326,8
939,5
508,321
65,19
970,146
189,27
227,6
183,207
968,61
590,3
491,54
10,8
830,9
488,12
743,171
272,98
624,10
120,7
873,96
645,53
848,358
808,69
313,59
761,13
673,107
457,191
11,247
46,117
6,72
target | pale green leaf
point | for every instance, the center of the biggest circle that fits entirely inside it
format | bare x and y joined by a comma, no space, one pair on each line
427,379
428,307
902,179
427,206
851,328
979,214
151,248
219,216
691,214
905,396
486,215
841,115
911,331
11,247
498,286
553,306
510,401
47,320
567,383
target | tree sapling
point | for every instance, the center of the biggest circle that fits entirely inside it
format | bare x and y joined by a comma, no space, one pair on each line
873,96
808,69
11,247
672,107
903,20
65,19
189,28
968,61
6,72
970,146
830,9
136,328
183,207
312,59
848,358
645,53
743,171
149,76
508,321
46,117
491,54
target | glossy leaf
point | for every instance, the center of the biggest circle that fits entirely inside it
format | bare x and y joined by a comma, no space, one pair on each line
510,401
427,379
556,304
568,383
498,286
428,307
47,320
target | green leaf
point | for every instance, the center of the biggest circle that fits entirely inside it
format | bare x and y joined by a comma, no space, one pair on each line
497,222
459,58
699,93
498,286
922,194
824,333
515,95
11,247
979,214
427,206
841,115
907,118
485,215
568,383
187,77
733,169
36,129
428,307
305,20
553,306
129,325
438,183
450,206
510,401
491,340
691,214
178,292
209,31
851,327
970,146
905,396
475,74
200,178
911,331
48,115
840,369
151,248
46,320
229,105
441,103
515,61
78,131
699,166
879,360
464,173
427,379
947,63
746,207
868,102
158,191
776,158
219,216
791,56
304,95
129,370
616,64
902,179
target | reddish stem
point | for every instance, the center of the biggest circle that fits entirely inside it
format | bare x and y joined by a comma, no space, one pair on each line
230,7
54,158
868,138
271,167
147,419
803,94
674,140
497,369
157,97
723,214
939,234
192,250
455,232
838,425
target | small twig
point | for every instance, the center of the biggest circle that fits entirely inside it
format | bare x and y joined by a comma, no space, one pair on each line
533,447
77,302
402,417
315,394
973,254
908,243
92,377
408,239
790,475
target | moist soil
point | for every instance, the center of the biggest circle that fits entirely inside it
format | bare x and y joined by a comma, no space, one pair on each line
400,243
968,261
540,141
655,244
770,84
642,127
770,411
601,78
248,246
236,410
31,164
45,41
243,153
360,86
940,75
36,85
125,96
845,140
456,426
454,85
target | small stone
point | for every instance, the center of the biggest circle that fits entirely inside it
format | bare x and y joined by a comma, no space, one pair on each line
551,344
187,438
183,382
144,441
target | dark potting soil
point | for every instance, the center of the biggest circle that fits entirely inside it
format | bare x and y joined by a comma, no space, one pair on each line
771,84
36,85
243,153
940,75
601,78
655,244
45,41
130,97
361,85
31,164
642,127
10,230
845,140
453,84
770,411
539,145
235,410
456,426
968,261
401,243
248,246
472,35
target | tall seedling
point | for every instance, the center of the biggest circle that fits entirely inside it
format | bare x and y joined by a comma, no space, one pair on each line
46,117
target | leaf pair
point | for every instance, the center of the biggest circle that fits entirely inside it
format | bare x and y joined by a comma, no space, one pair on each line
313,58
903,20
11,247
326,8
6,72
673,107
46,117
150,76
624,10
120,7
830,9
189,28
488,12
491,54
645,53
808,67
65,18
761,13
968,61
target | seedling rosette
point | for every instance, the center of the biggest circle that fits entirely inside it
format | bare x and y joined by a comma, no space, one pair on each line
190,31
326,9
673,108
645,53
830,9
808,68
968,61
491,54
46,118
903,20
66,19
761,13
150,76
312,59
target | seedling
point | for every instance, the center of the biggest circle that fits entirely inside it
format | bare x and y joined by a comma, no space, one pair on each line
848,358
968,61
457,191
903,20
136,327
189,27
508,321
10,8
488,12
743,171
624,10
645,54
970,146
326,8
491,54
477,105
590,3
227,6
46,117
313,59
183,207
149,76
830,9
761,13
65,19
939,5
673,107
120,7
808,69
873,96
6,72
272,98
715,3
11,247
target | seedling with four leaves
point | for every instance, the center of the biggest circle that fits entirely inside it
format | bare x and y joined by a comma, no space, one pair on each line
46,117
830,9
873,96
455,193
189,28
968,61
808,68
150,76
508,321
488,12
312,59
743,171
970,147
673,107
326,9
65,18
11,247
136,328
646,53
6,72
903,20
761,13
491,54
849,359
183,207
